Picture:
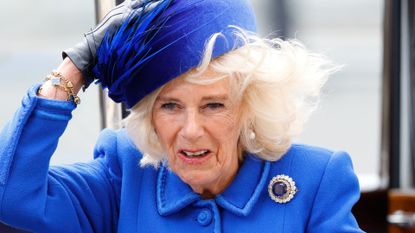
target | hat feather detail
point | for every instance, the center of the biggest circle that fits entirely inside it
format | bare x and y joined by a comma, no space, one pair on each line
122,53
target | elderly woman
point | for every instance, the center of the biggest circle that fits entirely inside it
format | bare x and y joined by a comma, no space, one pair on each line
207,146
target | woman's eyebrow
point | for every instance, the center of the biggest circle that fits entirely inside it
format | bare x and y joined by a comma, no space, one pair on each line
216,97
167,99
205,98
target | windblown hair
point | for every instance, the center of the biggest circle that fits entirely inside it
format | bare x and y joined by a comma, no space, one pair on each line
278,83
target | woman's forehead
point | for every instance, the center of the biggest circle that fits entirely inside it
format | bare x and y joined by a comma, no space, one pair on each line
218,90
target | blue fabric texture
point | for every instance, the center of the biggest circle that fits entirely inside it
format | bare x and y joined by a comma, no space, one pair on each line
113,194
151,49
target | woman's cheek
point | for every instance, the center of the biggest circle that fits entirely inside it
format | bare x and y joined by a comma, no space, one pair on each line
229,121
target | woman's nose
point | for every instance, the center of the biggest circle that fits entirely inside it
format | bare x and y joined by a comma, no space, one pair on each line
192,127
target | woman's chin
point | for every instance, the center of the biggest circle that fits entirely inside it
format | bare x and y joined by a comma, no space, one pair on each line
198,180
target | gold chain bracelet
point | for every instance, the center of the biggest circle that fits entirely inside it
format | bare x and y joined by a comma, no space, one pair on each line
58,80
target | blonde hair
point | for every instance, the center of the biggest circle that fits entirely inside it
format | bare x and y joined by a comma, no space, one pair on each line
278,83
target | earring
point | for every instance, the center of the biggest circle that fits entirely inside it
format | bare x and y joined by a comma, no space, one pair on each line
252,135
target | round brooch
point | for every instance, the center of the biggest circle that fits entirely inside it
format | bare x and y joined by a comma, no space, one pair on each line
282,189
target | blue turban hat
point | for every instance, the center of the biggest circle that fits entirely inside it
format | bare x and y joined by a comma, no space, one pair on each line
150,49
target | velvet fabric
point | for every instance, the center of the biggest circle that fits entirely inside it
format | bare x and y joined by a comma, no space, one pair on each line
138,60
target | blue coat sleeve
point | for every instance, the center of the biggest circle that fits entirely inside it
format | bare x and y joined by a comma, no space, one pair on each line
337,193
37,198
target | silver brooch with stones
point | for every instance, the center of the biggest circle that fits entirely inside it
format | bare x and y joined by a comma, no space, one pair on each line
282,189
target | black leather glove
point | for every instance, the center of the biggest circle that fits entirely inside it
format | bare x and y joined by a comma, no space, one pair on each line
83,54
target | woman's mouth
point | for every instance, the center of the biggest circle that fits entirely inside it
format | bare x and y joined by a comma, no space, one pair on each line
194,156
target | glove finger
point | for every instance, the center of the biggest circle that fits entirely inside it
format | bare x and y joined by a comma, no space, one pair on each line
135,3
114,12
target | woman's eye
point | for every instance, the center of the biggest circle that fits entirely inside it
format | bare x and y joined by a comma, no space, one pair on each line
214,106
169,106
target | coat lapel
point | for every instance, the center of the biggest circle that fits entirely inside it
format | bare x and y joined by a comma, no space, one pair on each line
239,198
243,193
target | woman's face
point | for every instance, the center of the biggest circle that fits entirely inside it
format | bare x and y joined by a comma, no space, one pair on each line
198,126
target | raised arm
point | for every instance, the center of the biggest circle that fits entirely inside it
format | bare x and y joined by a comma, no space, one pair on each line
78,198
35,197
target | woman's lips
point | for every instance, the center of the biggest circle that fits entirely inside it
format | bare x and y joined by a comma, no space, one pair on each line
192,156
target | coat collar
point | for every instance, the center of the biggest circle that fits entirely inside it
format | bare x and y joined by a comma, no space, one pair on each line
239,198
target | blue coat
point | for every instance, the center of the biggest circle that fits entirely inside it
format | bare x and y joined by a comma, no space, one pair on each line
113,194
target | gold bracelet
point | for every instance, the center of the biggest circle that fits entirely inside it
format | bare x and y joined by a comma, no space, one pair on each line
58,80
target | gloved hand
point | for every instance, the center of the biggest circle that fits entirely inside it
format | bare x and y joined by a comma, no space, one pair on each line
83,54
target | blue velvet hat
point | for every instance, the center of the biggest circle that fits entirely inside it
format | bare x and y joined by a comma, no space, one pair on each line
152,48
